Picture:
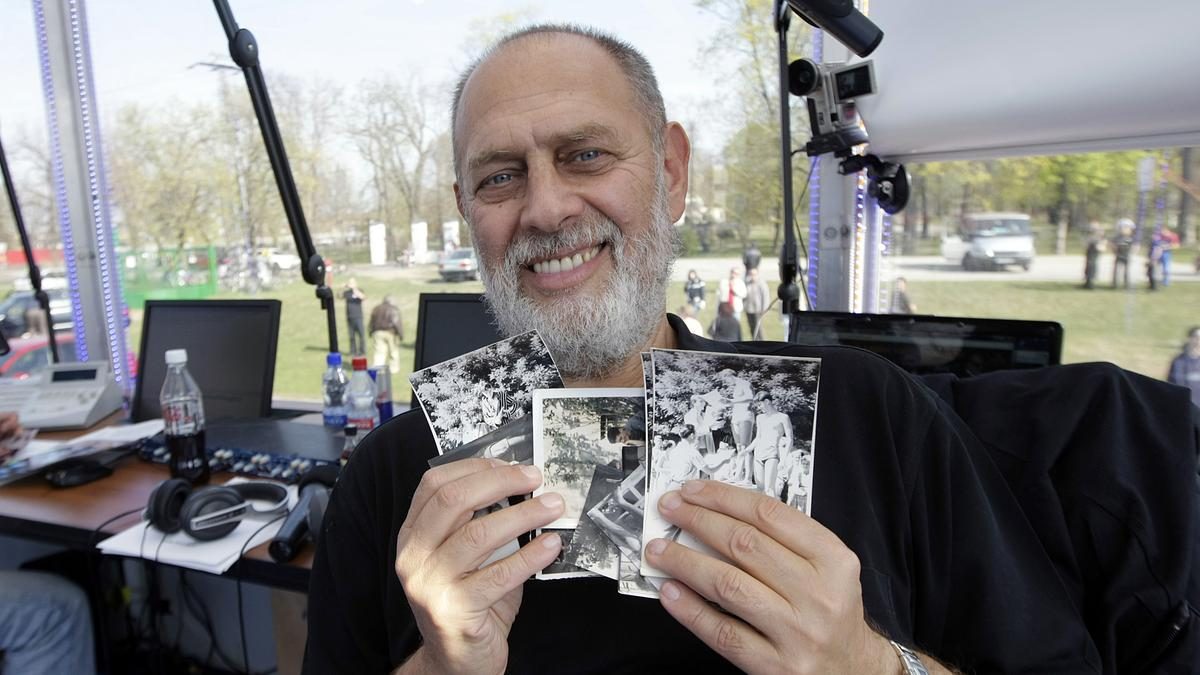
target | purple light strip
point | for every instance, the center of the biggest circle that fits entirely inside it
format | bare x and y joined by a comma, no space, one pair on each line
98,190
60,182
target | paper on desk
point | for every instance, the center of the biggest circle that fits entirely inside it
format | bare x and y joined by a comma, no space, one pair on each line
214,557
38,454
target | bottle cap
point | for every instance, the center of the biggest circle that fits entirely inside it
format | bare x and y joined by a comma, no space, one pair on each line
359,363
176,356
333,359
350,430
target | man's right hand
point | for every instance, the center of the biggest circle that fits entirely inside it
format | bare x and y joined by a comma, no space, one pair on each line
464,613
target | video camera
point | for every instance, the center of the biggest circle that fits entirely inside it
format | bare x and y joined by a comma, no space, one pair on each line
830,90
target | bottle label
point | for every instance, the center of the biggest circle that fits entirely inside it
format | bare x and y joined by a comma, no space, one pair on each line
363,423
334,418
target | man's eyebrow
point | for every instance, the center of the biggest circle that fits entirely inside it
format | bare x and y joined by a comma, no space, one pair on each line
583,134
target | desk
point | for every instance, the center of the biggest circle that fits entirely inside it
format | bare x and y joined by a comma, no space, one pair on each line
33,509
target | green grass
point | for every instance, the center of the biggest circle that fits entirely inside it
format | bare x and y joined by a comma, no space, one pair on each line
1135,329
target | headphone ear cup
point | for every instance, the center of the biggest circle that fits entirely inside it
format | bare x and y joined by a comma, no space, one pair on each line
165,504
206,501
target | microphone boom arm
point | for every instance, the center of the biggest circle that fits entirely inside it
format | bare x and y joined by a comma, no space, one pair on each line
35,274
243,49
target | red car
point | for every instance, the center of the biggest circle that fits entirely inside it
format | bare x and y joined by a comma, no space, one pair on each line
28,355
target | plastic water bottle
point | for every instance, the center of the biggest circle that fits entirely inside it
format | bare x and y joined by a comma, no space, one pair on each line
361,410
183,420
333,390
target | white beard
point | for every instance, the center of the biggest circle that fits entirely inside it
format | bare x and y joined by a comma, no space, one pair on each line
590,335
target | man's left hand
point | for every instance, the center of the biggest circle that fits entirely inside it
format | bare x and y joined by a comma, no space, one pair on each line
791,591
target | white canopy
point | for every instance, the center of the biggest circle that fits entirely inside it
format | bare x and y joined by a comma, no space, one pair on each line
963,79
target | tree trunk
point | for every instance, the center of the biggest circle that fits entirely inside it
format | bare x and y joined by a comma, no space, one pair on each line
924,209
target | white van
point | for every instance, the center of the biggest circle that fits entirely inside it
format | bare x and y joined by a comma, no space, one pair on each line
991,241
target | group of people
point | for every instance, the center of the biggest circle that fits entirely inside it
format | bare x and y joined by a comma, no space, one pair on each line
735,297
1124,244
387,330
741,438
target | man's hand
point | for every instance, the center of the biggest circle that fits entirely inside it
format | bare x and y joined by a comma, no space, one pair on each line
10,425
791,589
464,613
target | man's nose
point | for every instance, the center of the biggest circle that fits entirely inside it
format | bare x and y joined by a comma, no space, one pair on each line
551,201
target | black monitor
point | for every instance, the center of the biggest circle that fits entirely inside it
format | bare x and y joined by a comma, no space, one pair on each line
231,354
450,325
936,344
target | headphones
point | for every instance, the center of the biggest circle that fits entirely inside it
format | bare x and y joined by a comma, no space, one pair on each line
211,512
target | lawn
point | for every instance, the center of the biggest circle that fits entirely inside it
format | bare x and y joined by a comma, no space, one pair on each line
1135,329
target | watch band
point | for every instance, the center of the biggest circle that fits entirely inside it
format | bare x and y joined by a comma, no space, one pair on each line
909,659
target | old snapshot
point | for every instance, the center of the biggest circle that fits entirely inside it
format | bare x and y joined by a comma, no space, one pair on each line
590,548
744,420
576,430
473,395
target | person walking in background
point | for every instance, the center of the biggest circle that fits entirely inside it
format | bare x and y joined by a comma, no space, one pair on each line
1185,368
732,290
751,257
1165,240
354,316
1122,243
725,327
1091,264
386,334
758,297
694,288
901,304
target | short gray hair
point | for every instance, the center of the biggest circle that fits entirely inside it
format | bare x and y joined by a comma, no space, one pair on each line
632,63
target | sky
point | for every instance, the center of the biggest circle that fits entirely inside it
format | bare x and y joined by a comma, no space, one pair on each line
142,49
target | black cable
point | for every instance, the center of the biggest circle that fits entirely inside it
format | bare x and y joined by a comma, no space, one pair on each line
802,270
202,615
241,614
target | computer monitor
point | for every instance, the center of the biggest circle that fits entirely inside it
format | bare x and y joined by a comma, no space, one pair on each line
231,354
450,325
936,344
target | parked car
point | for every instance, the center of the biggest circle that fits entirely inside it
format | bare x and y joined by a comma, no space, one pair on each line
13,309
459,264
280,261
28,355
991,241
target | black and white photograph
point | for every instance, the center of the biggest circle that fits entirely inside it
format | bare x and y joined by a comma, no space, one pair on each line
512,443
560,568
631,582
744,420
473,395
576,430
619,515
590,548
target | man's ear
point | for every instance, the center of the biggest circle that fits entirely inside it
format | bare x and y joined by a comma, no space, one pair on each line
458,201
677,152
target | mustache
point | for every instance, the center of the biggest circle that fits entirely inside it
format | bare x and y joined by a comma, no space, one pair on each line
590,230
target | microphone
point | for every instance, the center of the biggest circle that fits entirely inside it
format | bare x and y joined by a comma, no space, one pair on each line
304,521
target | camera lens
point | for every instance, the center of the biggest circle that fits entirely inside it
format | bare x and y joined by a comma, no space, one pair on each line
803,77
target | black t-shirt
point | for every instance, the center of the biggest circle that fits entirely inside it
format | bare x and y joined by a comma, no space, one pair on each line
949,563
353,305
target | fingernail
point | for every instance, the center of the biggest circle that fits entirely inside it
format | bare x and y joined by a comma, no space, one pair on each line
531,471
693,486
656,547
552,541
551,500
670,591
670,501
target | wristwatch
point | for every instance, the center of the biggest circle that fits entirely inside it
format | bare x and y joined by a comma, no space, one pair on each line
908,658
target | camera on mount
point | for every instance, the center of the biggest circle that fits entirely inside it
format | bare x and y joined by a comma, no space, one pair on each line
830,91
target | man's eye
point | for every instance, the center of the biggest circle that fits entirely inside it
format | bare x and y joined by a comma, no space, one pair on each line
496,180
587,155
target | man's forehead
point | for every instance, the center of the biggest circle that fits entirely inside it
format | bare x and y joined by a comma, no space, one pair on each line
540,63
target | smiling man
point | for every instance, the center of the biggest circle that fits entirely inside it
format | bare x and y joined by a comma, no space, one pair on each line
570,176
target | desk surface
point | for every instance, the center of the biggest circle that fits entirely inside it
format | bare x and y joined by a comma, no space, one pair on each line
34,509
